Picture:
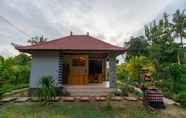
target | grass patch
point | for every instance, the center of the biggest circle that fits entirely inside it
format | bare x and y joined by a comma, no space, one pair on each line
76,110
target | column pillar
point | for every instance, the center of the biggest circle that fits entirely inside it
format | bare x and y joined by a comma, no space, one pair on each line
112,71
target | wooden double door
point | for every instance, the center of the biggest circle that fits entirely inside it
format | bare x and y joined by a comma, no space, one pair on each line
78,74
81,70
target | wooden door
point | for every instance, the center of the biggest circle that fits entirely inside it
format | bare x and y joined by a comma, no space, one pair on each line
79,70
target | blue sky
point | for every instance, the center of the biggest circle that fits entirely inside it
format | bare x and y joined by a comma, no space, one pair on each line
113,21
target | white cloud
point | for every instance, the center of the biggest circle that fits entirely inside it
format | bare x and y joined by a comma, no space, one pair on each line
113,20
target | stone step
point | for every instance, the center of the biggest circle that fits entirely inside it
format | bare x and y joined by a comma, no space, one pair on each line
89,94
82,87
89,90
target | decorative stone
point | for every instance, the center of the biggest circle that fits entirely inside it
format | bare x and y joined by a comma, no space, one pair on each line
84,99
22,99
68,99
116,98
140,98
57,99
100,98
8,99
77,98
35,99
130,98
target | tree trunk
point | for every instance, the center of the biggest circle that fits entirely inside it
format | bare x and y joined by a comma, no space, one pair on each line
181,38
178,57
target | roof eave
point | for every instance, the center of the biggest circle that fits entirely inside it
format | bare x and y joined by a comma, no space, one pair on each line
120,51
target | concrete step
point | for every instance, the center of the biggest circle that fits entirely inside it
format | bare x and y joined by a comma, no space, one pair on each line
85,87
88,94
88,90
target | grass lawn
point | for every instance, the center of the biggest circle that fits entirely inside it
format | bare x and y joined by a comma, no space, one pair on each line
84,110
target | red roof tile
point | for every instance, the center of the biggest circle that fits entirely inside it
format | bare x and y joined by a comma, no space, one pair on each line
73,42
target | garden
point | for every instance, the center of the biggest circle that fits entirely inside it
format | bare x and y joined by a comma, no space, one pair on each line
161,51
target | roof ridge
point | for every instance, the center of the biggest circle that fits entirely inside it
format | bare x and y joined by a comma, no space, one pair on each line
105,42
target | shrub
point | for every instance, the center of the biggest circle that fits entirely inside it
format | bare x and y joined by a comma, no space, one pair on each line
124,91
117,92
121,72
47,90
139,94
108,102
181,97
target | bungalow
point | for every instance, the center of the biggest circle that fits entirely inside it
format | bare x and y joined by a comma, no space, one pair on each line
76,60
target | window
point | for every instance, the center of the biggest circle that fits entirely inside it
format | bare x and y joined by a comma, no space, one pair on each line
81,61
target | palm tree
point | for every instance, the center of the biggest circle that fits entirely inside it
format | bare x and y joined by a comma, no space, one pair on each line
179,23
36,40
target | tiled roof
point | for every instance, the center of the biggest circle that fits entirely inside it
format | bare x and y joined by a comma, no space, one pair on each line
72,42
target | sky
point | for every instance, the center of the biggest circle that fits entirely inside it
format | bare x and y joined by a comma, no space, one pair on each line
113,21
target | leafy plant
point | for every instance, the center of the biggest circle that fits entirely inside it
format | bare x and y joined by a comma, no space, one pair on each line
108,101
136,65
14,72
47,90
176,72
181,97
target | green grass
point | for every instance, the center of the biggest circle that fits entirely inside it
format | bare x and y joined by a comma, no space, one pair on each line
76,110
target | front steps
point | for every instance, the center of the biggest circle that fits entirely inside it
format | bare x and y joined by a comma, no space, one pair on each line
88,90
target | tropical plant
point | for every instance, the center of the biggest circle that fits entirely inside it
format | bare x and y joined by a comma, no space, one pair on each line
47,91
36,40
181,97
177,72
14,72
121,72
165,47
179,23
136,65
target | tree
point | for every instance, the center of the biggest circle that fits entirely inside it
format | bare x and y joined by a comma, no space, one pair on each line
162,48
136,47
22,59
179,23
36,40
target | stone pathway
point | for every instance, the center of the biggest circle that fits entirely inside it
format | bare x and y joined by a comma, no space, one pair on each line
8,99
131,98
68,99
167,101
22,99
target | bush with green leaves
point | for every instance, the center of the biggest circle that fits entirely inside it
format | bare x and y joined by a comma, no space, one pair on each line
177,74
181,97
14,72
121,72
47,90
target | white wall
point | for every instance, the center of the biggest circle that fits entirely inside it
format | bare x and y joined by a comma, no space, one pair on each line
43,64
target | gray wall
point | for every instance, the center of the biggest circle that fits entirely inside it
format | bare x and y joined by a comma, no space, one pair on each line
43,64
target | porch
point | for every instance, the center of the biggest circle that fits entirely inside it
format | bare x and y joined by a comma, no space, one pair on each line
87,69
